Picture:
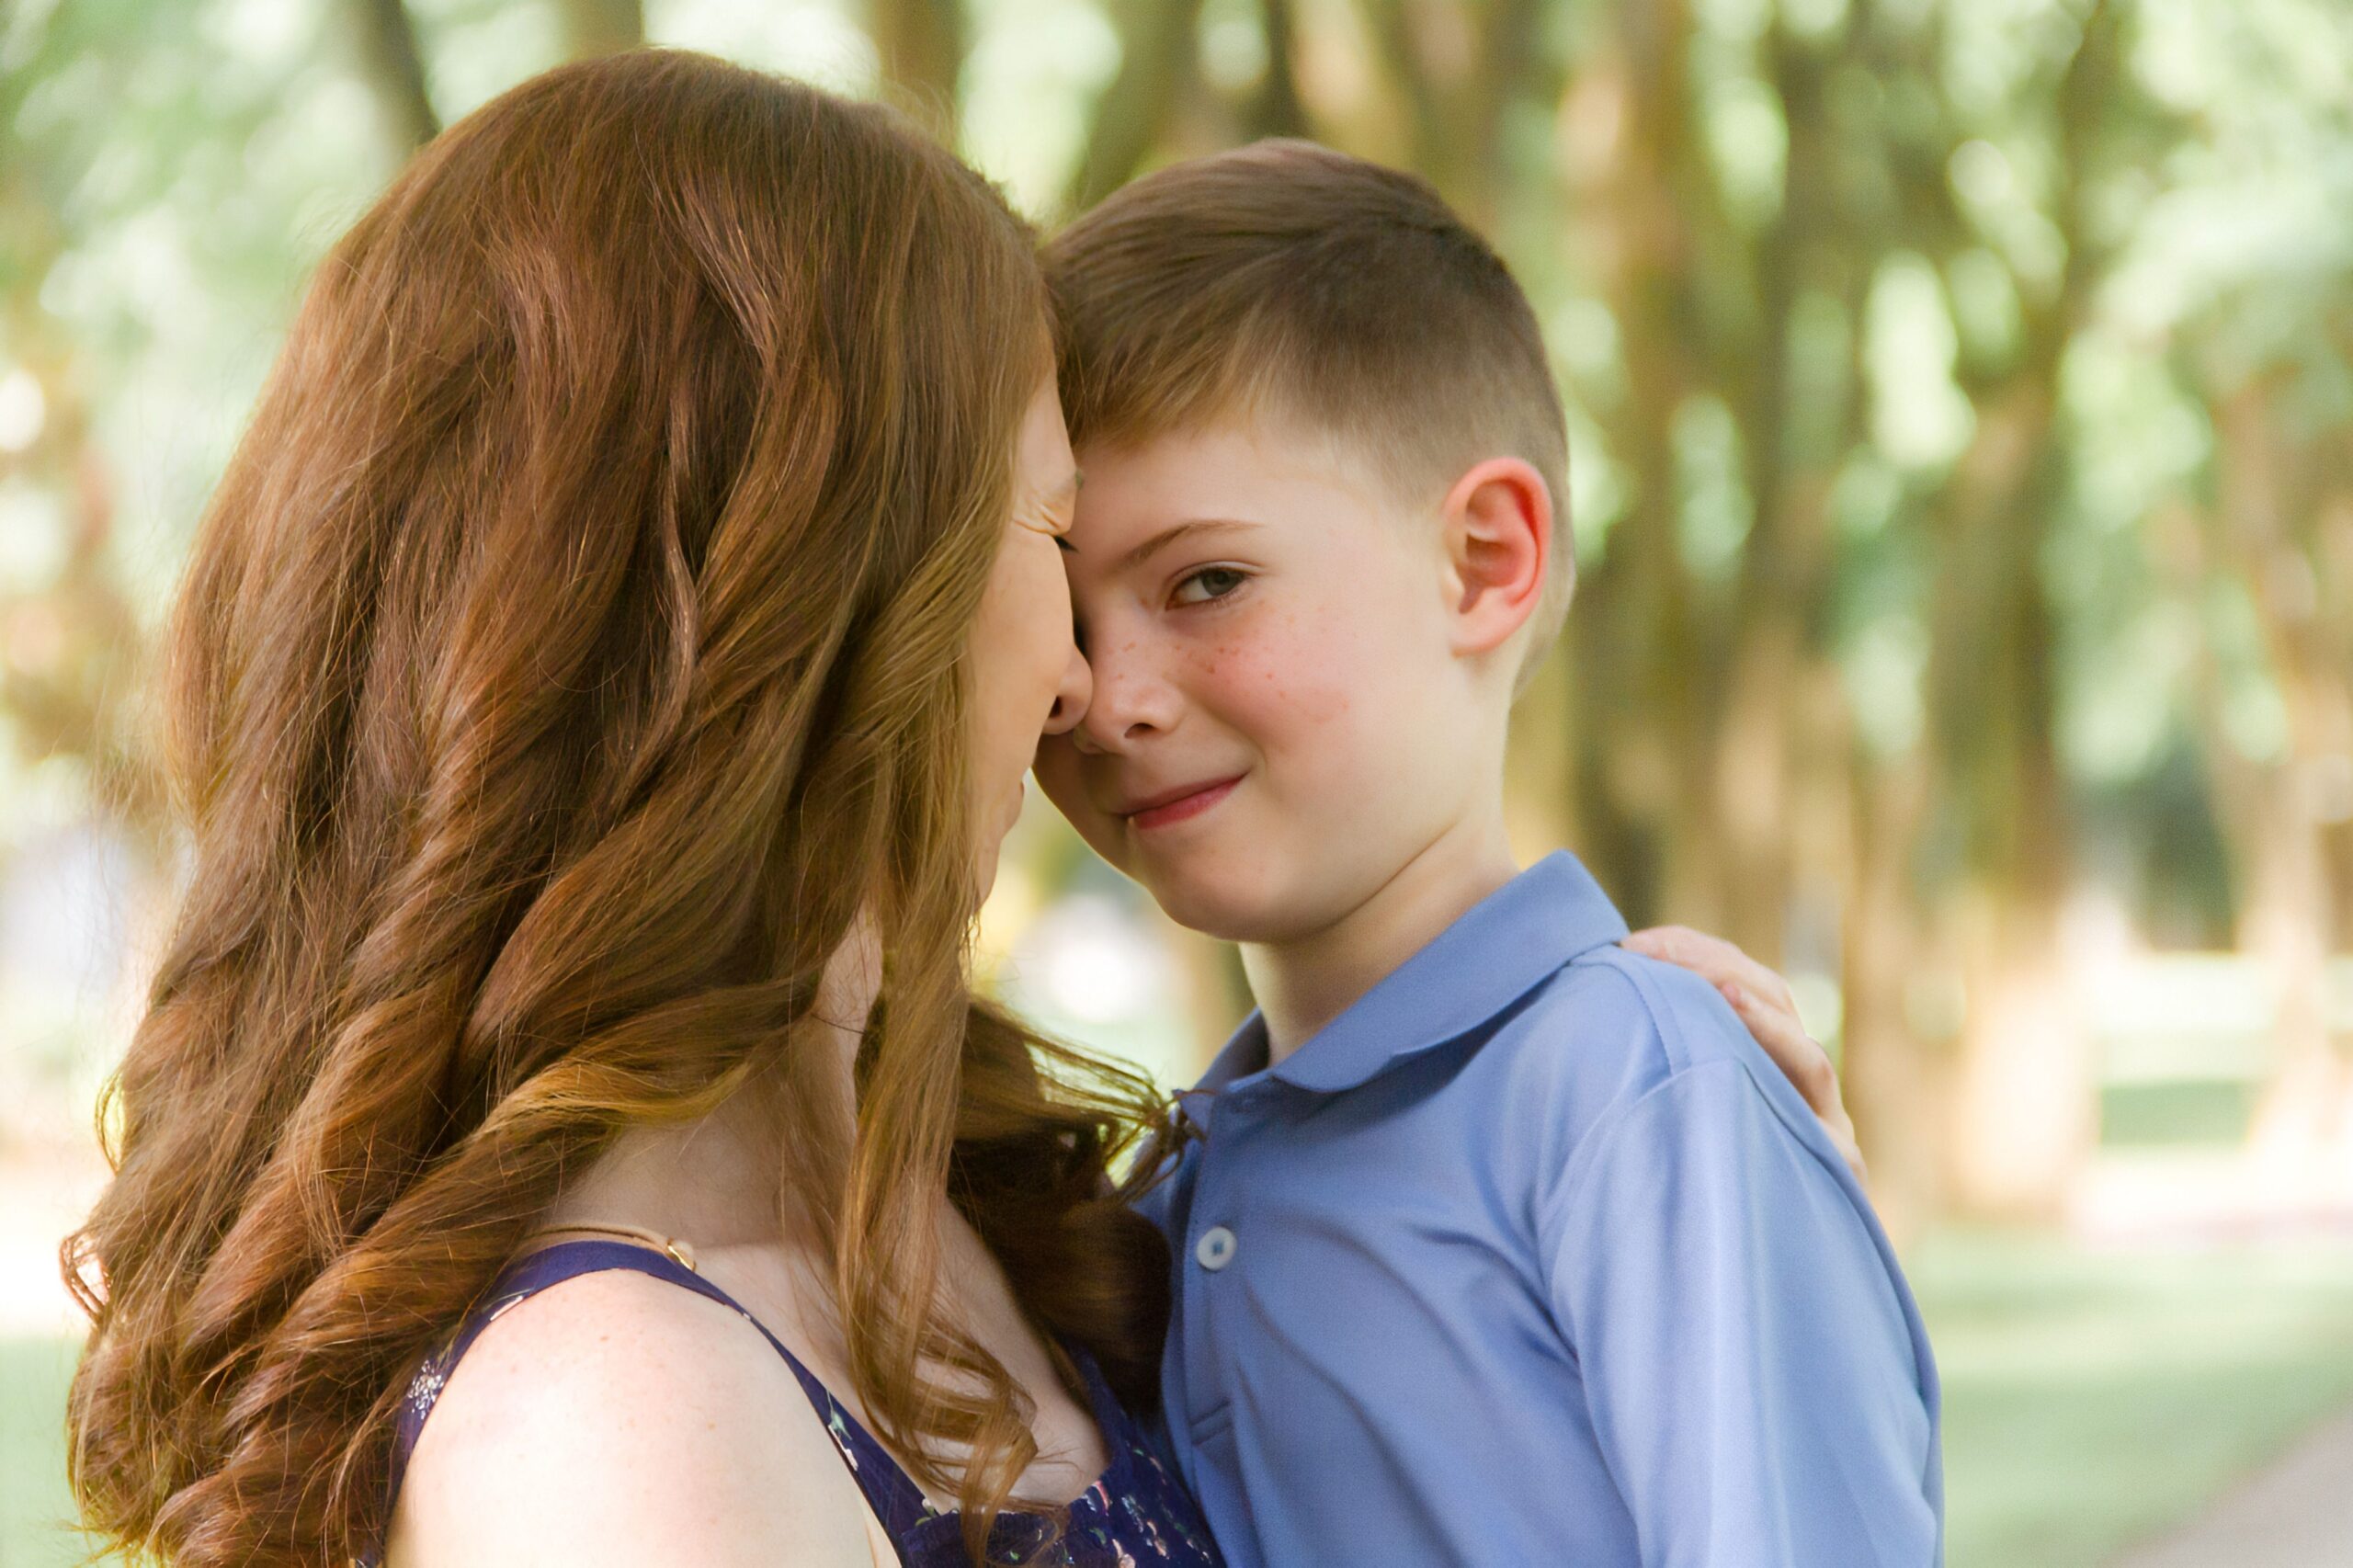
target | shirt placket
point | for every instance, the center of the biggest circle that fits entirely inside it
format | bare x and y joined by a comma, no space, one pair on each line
1213,1256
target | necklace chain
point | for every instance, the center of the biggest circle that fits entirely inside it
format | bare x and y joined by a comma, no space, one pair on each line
678,1250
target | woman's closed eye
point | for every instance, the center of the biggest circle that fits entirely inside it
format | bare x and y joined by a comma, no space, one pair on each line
1215,583
1054,525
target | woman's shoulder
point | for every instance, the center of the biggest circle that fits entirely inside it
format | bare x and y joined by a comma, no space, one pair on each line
615,1417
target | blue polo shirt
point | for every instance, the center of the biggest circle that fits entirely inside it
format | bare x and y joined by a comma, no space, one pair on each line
1533,1256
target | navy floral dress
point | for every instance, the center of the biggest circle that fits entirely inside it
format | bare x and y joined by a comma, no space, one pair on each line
1137,1515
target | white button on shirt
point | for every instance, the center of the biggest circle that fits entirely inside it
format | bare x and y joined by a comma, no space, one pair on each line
1215,1249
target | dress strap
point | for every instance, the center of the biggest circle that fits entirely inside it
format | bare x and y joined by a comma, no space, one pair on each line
896,1500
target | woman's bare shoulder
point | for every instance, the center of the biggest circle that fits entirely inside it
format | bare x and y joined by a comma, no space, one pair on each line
616,1418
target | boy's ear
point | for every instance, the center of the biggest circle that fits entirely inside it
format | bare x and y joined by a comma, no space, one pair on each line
1497,524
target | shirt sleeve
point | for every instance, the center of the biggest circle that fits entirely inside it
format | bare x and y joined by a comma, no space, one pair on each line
1747,1354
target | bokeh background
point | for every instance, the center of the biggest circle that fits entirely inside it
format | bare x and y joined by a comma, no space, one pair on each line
1963,407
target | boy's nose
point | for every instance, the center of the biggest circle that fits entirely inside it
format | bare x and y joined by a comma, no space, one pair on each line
1128,705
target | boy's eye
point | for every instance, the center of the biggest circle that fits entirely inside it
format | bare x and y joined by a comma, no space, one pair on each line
1213,582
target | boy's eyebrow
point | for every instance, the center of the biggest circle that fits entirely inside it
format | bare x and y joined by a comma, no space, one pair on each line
1169,535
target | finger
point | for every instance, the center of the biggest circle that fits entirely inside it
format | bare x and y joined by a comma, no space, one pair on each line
1708,956
1703,955
1670,944
1808,1067
1797,1053
1715,960
1842,1134
1765,982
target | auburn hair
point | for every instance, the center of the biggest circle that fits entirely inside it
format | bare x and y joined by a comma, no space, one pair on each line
573,648
1285,280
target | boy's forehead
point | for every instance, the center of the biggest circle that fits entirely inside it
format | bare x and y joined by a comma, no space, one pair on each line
1241,468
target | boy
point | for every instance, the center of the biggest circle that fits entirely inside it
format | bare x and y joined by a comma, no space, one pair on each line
1499,1243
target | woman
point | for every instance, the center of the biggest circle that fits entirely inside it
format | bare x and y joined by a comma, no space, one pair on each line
604,679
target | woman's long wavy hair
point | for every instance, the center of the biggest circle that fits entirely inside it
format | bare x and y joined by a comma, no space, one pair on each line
573,649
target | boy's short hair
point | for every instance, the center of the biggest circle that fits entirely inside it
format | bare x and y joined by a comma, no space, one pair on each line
1285,279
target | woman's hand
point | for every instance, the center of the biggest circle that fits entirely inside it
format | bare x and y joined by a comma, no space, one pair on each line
1762,999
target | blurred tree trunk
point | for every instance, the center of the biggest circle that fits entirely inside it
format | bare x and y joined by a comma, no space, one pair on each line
1896,1074
1455,74
1459,69
1158,61
394,72
2327,782
1636,655
593,28
2285,811
2025,1106
1709,718
1275,109
76,647
71,649
921,46
1779,725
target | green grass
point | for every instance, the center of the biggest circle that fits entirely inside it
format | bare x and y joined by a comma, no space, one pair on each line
35,1510
2190,1111
2091,1398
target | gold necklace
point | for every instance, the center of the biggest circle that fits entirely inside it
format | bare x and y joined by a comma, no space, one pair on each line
679,1251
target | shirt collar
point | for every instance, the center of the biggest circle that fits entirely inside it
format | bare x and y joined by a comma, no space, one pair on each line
1474,969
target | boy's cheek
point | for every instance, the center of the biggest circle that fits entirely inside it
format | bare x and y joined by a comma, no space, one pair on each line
1058,769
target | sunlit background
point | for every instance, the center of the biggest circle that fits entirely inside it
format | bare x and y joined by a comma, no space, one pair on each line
1963,407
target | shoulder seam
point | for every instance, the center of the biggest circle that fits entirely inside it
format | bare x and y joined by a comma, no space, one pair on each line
1681,1060
1613,1120
1614,960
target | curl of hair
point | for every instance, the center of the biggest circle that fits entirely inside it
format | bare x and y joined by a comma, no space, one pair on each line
572,650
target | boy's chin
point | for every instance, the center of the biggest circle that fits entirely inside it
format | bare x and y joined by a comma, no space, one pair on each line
1217,900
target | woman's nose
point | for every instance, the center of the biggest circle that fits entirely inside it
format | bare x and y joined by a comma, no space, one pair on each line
1072,696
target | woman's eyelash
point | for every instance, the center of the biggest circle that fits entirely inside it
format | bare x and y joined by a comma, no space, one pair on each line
1044,522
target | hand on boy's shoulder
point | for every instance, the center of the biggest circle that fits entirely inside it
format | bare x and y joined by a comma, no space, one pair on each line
1763,1002
1618,1025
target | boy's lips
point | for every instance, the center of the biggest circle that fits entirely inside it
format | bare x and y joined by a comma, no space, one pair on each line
1177,805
